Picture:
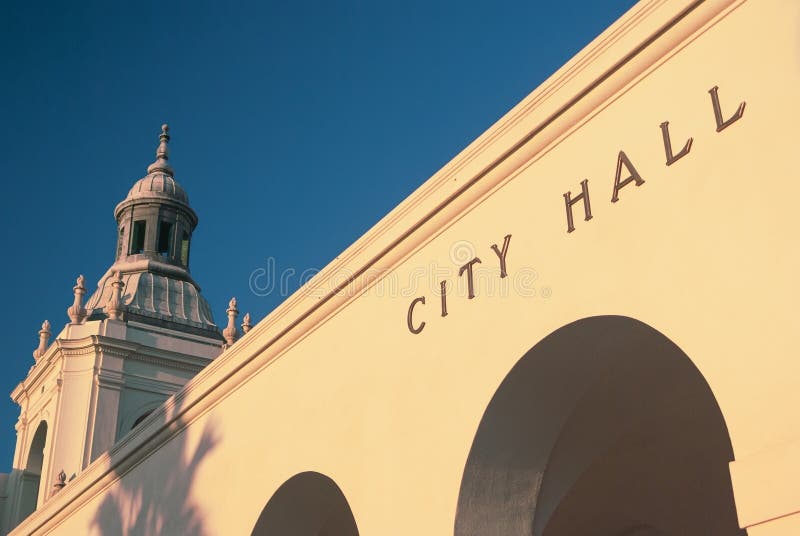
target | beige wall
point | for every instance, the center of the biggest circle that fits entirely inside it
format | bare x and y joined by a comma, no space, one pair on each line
704,251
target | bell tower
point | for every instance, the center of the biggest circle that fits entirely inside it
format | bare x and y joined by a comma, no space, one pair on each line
155,221
144,332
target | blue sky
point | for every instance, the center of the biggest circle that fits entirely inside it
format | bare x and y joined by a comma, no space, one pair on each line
295,127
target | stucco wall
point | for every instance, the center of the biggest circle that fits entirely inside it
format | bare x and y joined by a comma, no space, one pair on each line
703,251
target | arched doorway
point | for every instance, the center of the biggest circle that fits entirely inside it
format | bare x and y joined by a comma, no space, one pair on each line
308,504
605,428
32,474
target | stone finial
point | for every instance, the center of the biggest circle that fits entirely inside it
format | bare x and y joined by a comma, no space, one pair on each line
115,307
60,483
231,333
76,313
162,153
246,325
44,338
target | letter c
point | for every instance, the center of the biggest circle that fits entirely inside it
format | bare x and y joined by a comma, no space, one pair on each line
409,317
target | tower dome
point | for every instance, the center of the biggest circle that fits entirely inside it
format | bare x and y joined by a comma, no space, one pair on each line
155,219
155,224
158,185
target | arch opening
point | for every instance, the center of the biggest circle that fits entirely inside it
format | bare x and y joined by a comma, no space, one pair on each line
32,474
605,427
308,504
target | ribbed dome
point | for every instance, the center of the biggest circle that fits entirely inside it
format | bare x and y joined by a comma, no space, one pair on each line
155,295
158,185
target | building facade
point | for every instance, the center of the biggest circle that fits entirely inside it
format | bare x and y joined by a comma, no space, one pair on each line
585,323
137,340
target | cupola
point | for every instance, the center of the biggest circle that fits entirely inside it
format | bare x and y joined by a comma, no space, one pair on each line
155,220
150,280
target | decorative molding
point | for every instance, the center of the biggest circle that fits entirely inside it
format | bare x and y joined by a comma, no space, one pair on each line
148,385
109,379
166,362
100,345
141,326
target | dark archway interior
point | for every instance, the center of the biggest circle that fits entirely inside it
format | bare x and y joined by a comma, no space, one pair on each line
32,475
308,504
603,428
36,452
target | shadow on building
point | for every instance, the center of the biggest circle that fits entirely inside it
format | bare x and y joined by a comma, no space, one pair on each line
155,497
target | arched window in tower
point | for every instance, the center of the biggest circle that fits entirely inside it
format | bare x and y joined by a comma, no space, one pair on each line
137,239
120,241
185,249
32,475
164,236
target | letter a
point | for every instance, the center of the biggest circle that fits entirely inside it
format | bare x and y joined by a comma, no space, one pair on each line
634,176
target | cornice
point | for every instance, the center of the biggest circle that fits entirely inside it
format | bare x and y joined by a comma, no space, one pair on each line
648,34
175,334
38,371
109,378
141,383
147,354
102,345
190,366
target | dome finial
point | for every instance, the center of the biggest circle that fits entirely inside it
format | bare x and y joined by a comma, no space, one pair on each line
246,325
77,313
44,338
115,308
162,153
231,333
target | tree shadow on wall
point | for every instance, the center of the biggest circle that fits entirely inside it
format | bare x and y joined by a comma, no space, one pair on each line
155,496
